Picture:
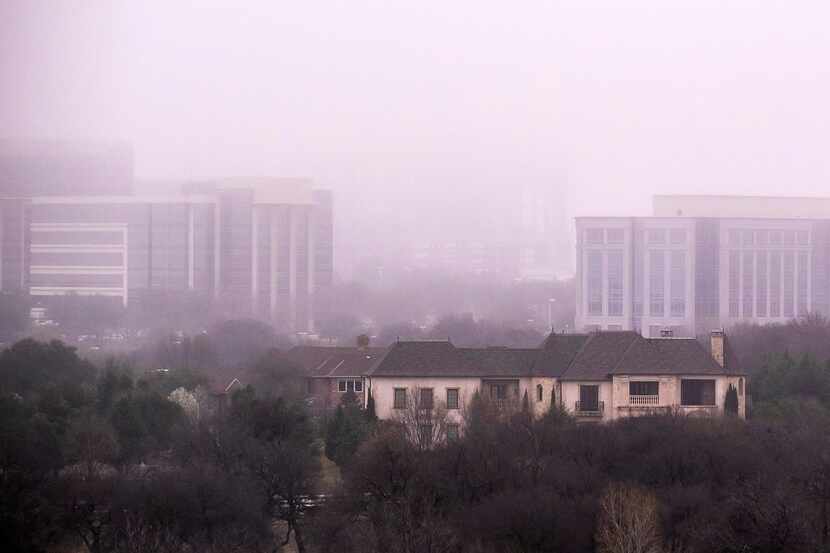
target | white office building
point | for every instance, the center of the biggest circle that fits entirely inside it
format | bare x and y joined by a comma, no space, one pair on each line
704,262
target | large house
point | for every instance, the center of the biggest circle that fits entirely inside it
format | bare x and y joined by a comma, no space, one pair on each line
599,376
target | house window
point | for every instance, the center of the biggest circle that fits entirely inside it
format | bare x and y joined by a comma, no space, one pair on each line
452,432
588,398
350,385
425,434
425,401
697,392
400,398
539,392
643,388
741,387
498,391
452,398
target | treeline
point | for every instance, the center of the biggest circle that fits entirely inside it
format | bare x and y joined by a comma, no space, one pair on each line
110,459
106,461
654,484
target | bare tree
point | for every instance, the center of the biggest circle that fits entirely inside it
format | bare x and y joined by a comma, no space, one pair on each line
423,419
628,521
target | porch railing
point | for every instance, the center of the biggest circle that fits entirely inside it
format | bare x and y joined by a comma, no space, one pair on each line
638,401
593,409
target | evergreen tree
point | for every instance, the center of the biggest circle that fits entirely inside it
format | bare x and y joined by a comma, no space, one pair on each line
346,430
730,404
371,415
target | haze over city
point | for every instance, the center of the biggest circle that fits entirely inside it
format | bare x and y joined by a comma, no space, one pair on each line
432,277
421,118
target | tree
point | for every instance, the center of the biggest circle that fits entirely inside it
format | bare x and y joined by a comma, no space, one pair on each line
423,423
730,404
371,414
628,521
346,430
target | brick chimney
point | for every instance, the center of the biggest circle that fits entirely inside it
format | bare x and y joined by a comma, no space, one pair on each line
717,345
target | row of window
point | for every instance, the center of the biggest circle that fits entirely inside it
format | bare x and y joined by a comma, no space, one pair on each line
760,237
653,237
770,284
425,399
350,385
426,433
666,269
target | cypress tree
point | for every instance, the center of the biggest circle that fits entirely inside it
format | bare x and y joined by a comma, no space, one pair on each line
730,404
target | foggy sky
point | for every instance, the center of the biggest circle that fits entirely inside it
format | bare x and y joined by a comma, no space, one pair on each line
393,104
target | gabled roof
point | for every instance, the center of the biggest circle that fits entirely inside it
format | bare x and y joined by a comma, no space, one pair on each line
420,358
668,356
496,361
333,361
557,353
599,355
591,357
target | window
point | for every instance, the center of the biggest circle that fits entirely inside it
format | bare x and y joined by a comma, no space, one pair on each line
452,398
593,236
616,328
657,283
789,284
748,276
540,393
614,235
775,284
734,282
697,392
588,398
426,398
677,236
741,387
498,391
643,388
615,283
656,236
748,237
802,284
678,284
734,237
595,283
775,238
801,237
452,432
761,284
350,385
425,434
400,398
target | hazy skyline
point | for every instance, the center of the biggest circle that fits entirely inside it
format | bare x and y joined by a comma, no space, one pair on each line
393,104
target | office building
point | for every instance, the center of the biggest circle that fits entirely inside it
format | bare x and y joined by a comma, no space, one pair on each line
704,262
262,246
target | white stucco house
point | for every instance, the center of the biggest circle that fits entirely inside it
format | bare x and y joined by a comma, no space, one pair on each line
601,376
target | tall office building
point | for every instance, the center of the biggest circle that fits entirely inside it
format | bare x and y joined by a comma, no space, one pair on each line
704,262
262,246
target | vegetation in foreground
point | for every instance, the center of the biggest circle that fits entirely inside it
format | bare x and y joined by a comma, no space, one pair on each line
99,459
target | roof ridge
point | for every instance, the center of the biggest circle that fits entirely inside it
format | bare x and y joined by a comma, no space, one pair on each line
575,355
622,357
371,370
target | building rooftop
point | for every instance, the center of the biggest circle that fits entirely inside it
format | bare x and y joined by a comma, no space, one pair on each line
596,356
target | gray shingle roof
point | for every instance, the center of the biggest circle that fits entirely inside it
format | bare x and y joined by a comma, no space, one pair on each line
595,356
321,361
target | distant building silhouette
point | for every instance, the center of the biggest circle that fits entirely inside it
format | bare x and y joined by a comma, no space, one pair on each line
261,245
704,262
